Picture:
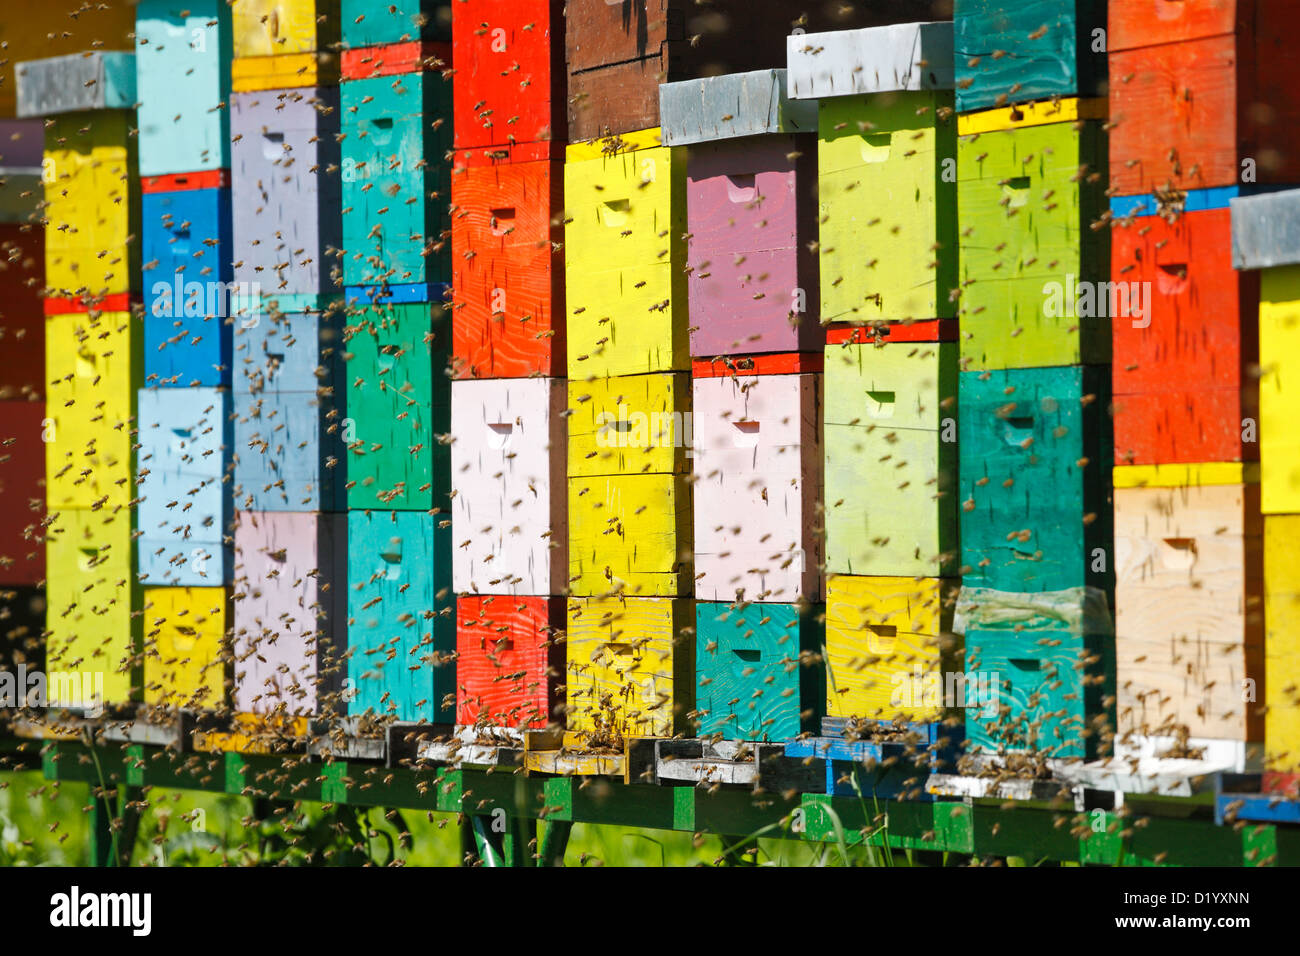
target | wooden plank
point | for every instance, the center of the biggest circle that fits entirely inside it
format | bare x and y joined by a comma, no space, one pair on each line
900,57
1189,621
394,59
780,363
283,71
509,504
729,106
267,27
80,82
1188,475
1266,230
1279,350
758,464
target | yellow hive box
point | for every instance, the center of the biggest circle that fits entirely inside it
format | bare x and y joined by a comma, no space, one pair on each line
92,204
256,734
93,368
289,71
630,669
630,534
1279,390
630,424
91,588
889,647
274,27
1282,642
624,256
184,629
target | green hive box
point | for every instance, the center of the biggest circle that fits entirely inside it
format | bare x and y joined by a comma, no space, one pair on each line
888,198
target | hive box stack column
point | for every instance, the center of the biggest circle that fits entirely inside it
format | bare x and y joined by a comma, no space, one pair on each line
630,667
755,403
509,392
1266,247
887,258
184,480
290,534
1034,380
22,396
395,95
92,370
1186,137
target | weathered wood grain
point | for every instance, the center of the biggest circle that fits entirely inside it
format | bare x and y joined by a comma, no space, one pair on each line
509,660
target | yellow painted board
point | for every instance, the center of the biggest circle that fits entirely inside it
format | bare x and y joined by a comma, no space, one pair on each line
255,734
183,633
630,669
624,259
1279,389
92,590
889,646
92,204
1187,475
612,145
630,424
288,71
93,368
270,27
1282,642
630,534
1069,109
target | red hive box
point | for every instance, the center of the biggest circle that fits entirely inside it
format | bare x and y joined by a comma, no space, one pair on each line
508,662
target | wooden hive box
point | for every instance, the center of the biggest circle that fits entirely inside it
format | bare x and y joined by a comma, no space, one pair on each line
509,661
509,501
22,483
1282,643
92,205
507,279
630,668
78,82
1035,478
1031,182
758,462
510,82
186,246
289,607
94,636
285,201
891,424
395,178
630,442
366,23
92,361
279,27
1182,377
184,641
399,641
750,211
290,413
1044,672
1014,51
758,670
889,647
398,403
619,52
1185,94
1190,604
182,63
183,484
22,322
624,257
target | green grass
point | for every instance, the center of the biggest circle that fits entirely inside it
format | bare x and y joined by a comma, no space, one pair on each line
44,824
